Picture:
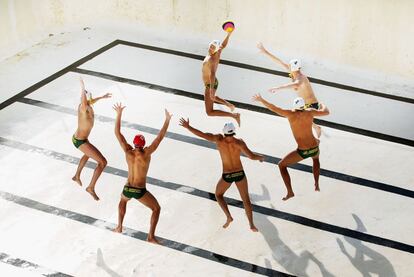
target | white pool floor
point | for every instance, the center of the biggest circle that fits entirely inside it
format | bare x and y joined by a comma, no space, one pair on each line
361,223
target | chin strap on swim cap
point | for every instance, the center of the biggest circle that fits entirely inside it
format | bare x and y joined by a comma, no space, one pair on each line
229,129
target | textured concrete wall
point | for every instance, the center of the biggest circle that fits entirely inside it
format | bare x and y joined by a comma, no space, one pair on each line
372,35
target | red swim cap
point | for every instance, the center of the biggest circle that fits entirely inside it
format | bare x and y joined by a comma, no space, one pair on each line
139,141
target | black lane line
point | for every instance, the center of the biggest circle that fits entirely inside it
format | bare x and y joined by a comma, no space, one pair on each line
7,259
56,75
105,225
269,71
207,144
245,106
230,201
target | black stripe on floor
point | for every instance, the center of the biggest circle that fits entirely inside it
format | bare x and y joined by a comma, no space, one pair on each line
207,195
56,75
23,264
102,224
245,106
207,144
269,71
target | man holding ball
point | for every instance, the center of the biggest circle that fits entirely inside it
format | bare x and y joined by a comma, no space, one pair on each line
209,69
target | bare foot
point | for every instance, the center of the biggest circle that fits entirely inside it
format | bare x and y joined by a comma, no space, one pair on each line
91,191
254,229
77,180
237,118
153,240
289,195
318,130
229,220
118,229
317,187
231,107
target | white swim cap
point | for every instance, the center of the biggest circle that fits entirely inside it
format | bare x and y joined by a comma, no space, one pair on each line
216,43
295,65
229,129
88,95
299,103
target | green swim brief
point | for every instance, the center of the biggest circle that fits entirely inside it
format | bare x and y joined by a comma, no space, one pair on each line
313,106
131,192
215,85
78,142
233,176
307,153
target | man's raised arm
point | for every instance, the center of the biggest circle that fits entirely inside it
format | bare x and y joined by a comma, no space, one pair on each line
106,95
273,108
273,57
249,153
225,41
154,145
121,139
206,136
84,99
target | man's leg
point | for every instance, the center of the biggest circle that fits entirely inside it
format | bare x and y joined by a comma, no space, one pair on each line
121,213
81,165
316,169
93,153
291,158
211,112
221,188
149,201
244,194
222,101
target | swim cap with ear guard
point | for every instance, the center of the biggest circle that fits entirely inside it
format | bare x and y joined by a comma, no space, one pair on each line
299,103
88,95
229,129
216,43
295,65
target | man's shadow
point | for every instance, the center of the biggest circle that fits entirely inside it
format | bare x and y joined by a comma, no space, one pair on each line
366,260
291,262
101,263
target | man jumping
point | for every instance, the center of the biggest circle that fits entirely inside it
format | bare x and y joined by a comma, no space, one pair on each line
81,142
209,69
138,159
300,121
230,149
300,83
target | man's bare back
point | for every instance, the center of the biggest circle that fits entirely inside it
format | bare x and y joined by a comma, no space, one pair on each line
138,161
230,149
301,126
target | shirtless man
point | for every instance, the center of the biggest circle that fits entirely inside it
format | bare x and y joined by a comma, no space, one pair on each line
209,69
80,139
138,159
300,83
300,121
230,149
